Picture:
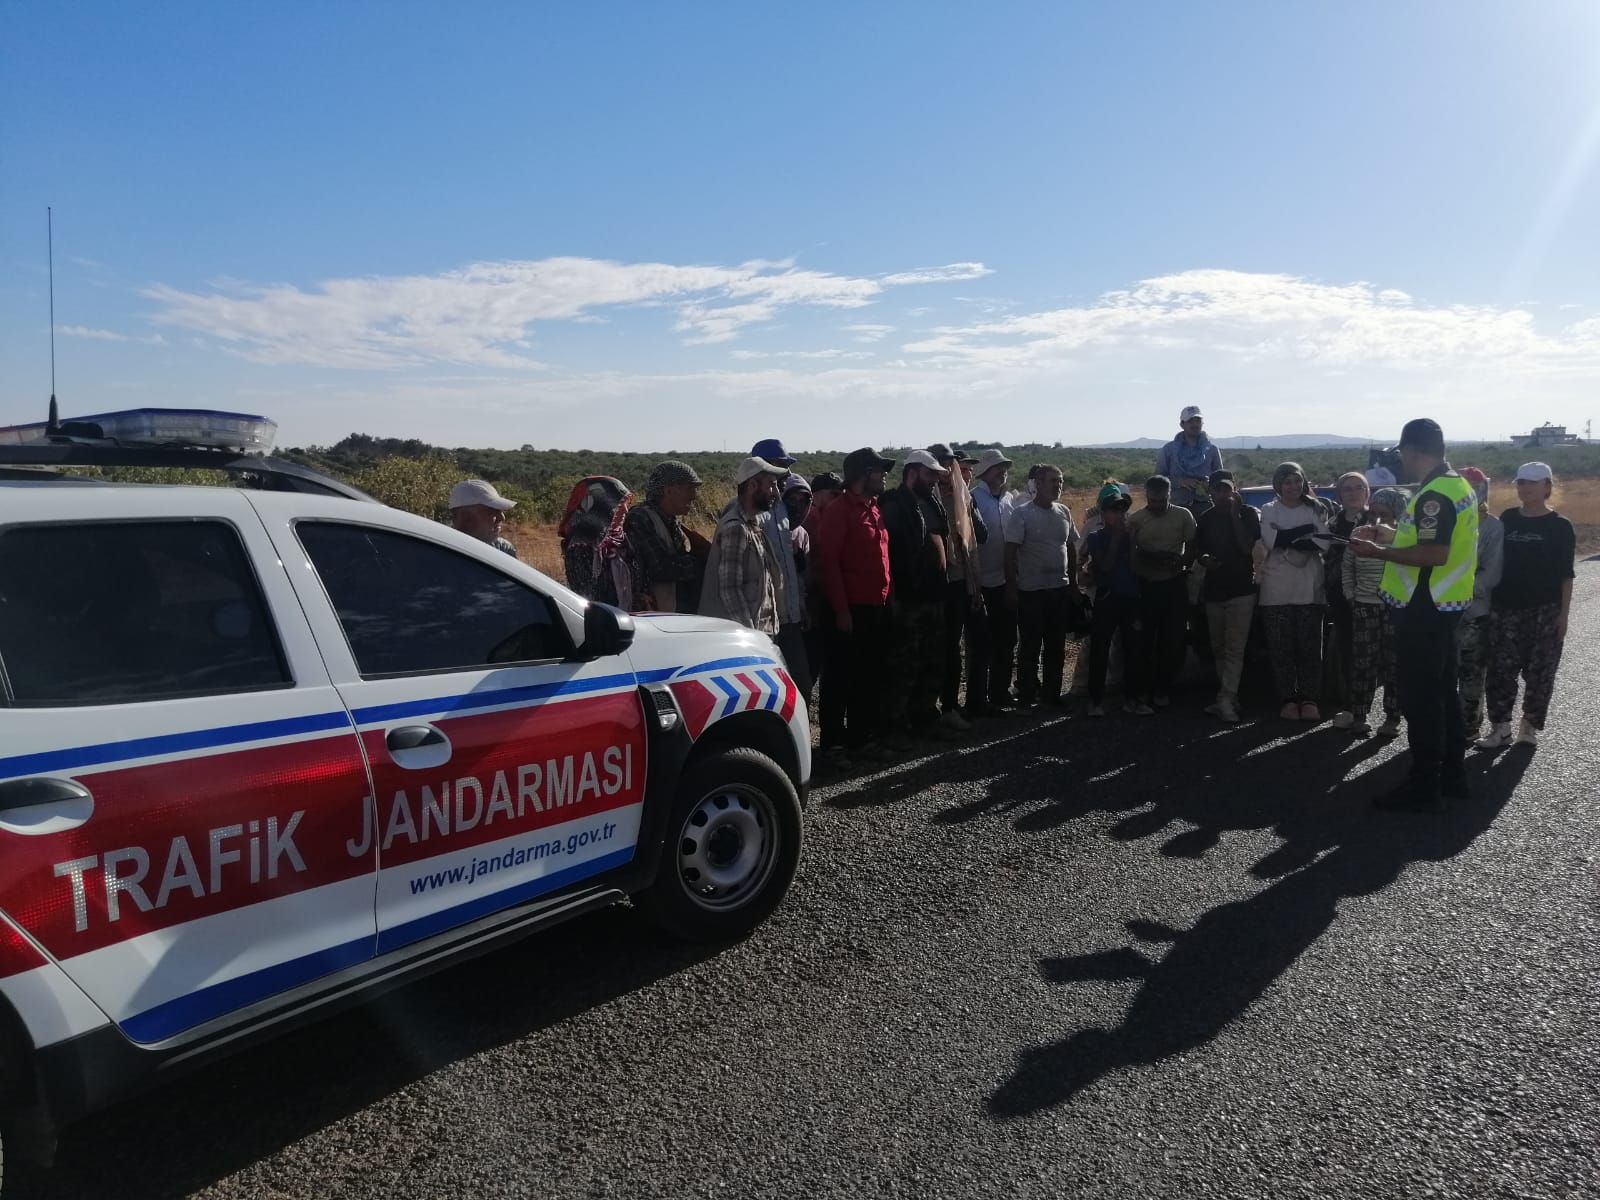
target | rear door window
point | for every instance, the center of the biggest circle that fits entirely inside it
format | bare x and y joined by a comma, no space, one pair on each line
409,606
128,611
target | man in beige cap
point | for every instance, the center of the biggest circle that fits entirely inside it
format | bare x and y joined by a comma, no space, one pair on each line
479,511
743,583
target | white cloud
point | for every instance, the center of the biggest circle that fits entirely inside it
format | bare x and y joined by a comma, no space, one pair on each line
1265,317
870,333
481,315
954,273
107,335
753,355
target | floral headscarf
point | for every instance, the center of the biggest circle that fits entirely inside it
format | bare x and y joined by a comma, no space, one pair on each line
1391,498
596,510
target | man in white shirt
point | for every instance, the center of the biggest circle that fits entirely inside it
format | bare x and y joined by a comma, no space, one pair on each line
1041,585
989,478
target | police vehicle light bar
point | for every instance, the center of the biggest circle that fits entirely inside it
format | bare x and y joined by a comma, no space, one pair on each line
193,427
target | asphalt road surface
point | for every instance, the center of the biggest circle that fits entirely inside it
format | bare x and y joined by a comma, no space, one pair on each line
1132,958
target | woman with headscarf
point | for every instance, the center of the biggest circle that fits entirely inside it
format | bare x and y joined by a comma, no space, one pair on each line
1354,492
594,548
1293,592
1529,610
1472,636
1372,657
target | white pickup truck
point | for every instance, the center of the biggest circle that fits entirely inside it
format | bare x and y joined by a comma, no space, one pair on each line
267,749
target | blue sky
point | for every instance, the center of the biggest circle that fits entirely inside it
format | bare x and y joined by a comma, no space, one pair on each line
653,226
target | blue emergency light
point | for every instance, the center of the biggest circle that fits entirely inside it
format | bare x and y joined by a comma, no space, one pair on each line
201,428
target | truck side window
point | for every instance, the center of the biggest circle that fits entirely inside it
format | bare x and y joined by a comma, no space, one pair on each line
121,612
409,606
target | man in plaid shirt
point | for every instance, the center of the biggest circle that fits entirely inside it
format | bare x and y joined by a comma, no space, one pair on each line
743,582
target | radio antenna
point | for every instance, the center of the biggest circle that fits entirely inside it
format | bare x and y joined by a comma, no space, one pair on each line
53,426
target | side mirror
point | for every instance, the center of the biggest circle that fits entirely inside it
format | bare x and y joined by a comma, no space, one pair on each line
606,631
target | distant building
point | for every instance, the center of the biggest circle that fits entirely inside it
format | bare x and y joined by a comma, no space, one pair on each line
1546,435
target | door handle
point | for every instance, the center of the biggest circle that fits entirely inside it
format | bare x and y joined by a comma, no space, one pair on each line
418,747
31,793
414,737
43,804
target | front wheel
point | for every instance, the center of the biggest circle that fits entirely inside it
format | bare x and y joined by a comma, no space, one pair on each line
732,849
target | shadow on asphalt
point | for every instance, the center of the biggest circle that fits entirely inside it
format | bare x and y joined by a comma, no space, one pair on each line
1211,973
186,1135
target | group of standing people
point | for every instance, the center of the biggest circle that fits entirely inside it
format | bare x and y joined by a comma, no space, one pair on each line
950,597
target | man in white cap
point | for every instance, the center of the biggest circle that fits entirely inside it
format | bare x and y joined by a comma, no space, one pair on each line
1188,461
743,582
479,511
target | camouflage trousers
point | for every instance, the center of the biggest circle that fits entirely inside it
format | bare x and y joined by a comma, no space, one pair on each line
1372,659
914,673
1473,648
1525,641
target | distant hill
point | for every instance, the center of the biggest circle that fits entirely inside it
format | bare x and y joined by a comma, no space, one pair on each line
1280,441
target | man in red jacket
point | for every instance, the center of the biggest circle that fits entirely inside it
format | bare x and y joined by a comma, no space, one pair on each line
851,554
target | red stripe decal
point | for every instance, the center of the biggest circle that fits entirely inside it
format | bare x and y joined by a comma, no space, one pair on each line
751,686
509,773
172,842
16,953
697,703
790,694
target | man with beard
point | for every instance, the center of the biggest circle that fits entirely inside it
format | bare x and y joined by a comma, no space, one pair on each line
851,556
919,532
741,573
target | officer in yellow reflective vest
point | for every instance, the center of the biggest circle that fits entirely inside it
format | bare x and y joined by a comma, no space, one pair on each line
1432,556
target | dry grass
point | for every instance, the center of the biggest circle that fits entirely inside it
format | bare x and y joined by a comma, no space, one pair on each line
1579,501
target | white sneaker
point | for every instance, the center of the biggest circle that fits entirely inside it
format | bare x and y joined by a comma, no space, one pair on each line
1527,735
1344,720
954,720
1097,710
1138,708
1498,737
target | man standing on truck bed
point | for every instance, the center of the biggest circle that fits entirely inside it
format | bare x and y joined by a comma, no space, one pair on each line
1188,460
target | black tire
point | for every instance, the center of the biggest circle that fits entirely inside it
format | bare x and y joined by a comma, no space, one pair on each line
732,846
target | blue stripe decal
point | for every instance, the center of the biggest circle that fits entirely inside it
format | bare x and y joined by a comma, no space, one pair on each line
772,696
482,906
657,676
467,701
170,743
722,664
734,694
173,1017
